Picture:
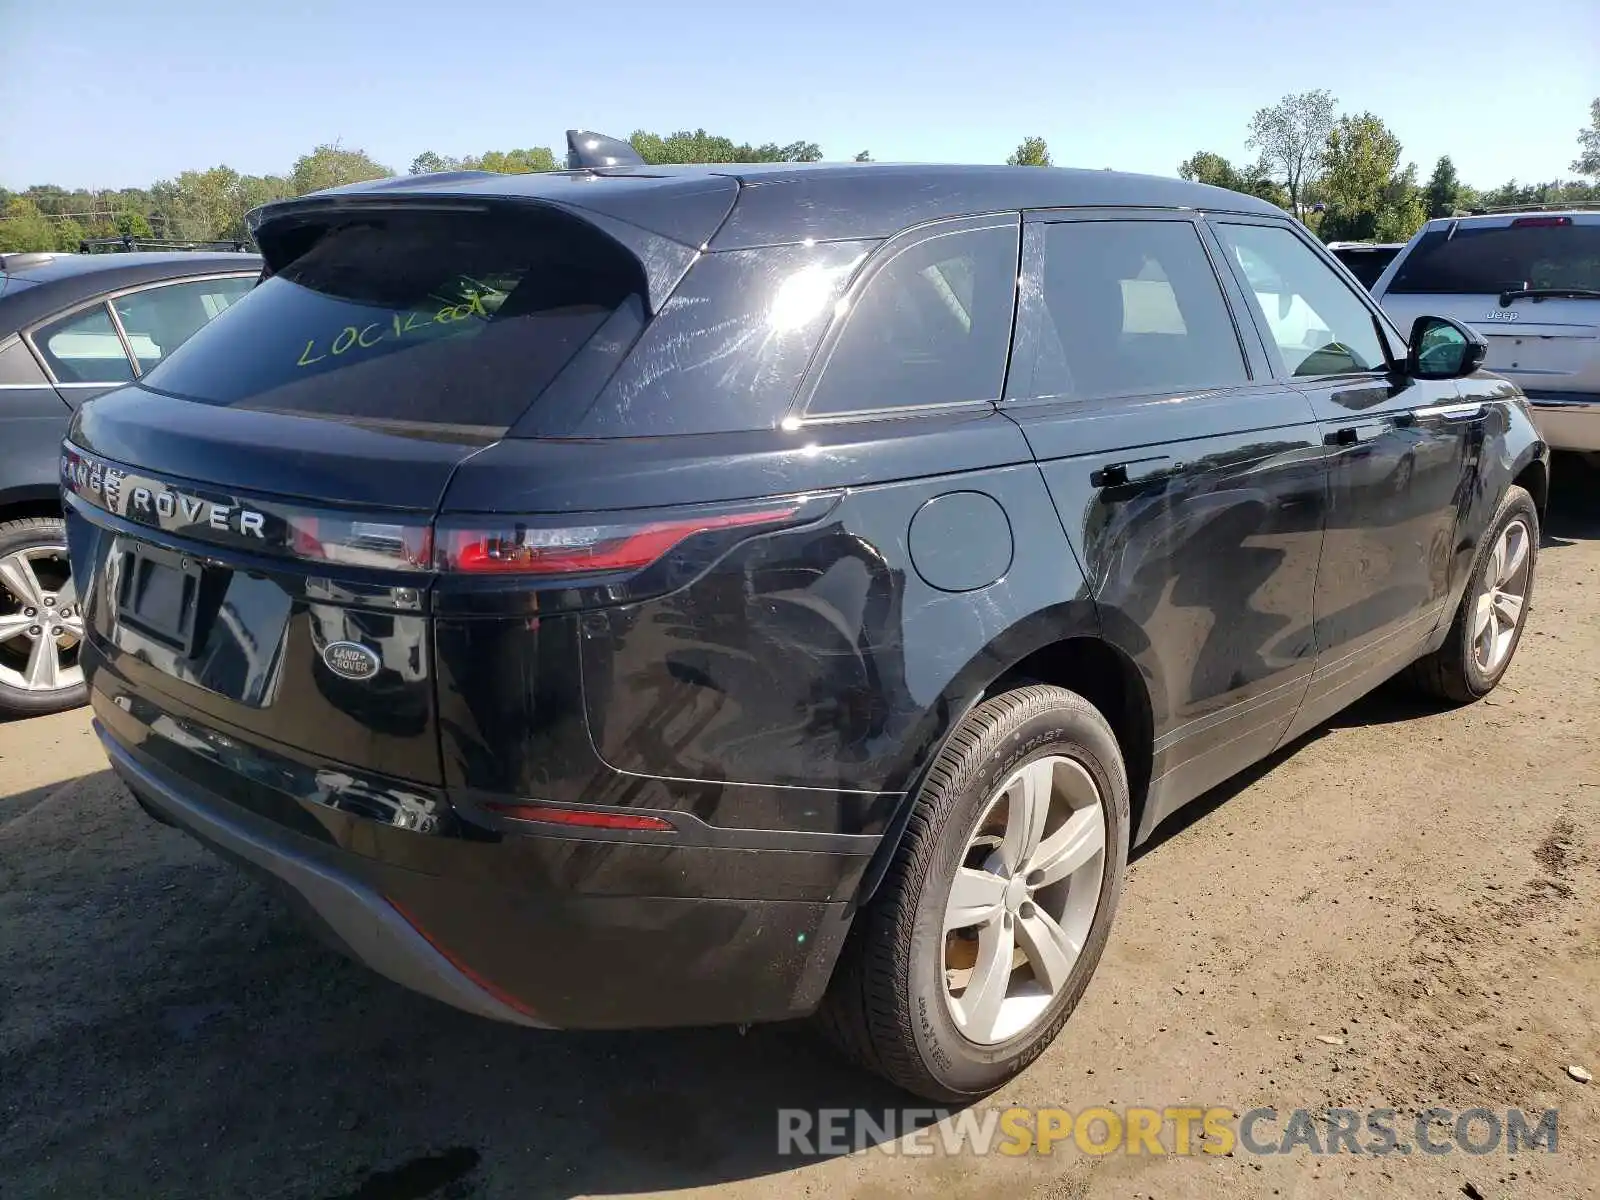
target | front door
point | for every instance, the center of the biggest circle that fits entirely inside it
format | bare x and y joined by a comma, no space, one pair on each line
1402,459
1189,479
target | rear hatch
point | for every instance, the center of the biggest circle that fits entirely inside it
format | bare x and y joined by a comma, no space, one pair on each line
1530,284
251,525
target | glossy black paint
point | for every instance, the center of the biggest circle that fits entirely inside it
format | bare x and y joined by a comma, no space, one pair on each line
1220,567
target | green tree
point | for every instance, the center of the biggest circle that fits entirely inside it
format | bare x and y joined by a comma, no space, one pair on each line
1367,193
1444,189
330,166
698,146
130,222
69,235
1254,180
864,156
1030,152
508,162
1588,160
23,226
428,162
200,205
1292,136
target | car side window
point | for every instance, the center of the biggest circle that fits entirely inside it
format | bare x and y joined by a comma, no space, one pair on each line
931,326
160,319
84,348
1129,308
1309,313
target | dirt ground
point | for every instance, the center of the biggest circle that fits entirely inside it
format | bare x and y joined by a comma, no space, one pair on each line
1422,886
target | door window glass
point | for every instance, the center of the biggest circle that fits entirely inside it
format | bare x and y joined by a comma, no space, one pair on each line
1316,322
84,348
159,320
1130,308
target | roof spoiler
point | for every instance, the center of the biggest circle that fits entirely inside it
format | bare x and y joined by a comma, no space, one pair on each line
589,151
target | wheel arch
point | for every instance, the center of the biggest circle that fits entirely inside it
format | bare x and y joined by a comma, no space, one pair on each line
1064,646
37,500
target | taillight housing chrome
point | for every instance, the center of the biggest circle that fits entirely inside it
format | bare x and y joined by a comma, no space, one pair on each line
359,542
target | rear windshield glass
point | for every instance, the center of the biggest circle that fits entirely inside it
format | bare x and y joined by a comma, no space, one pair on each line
1490,260
432,320
1366,265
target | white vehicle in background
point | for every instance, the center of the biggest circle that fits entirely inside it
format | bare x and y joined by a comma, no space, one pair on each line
1528,280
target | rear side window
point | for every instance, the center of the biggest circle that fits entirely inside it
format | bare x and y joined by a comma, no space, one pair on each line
931,326
728,350
1487,260
1129,308
435,320
158,320
84,348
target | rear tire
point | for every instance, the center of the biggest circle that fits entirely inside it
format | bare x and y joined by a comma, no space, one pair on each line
896,1004
1481,643
35,590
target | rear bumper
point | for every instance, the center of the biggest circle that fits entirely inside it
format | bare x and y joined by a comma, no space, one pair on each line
1568,421
546,931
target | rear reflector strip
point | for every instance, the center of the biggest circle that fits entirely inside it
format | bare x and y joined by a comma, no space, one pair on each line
578,816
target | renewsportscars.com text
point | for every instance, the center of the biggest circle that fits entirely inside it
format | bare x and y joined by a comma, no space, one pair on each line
1176,1129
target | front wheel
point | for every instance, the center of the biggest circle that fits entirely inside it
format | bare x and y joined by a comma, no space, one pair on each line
997,905
1488,625
41,626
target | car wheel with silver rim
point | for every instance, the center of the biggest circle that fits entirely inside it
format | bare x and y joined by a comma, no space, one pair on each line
996,906
1493,612
41,623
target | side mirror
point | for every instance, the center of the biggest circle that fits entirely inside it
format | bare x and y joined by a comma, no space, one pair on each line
1443,349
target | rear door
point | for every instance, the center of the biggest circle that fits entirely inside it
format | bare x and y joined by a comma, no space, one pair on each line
1402,459
1190,479
1516,279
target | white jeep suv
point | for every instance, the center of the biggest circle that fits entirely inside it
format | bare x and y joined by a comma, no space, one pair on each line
1529,282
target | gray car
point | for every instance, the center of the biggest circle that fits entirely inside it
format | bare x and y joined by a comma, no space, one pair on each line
71,327
1529,282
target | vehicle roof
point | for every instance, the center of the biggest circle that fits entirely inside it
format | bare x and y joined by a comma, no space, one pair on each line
788,202
1579,216
69,279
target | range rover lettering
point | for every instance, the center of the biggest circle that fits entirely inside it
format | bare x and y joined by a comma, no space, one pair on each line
731,594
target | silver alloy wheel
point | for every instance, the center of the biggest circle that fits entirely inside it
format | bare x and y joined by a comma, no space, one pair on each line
41,624
1497,612
1024,898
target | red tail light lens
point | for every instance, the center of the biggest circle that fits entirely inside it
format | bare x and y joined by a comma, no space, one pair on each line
1539,222
584,549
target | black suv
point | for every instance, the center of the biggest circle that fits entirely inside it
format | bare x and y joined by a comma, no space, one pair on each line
73,326
643,596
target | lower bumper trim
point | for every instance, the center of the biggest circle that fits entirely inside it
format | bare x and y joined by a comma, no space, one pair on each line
360,920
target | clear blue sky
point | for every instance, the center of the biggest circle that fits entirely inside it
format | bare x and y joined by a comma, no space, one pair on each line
104,94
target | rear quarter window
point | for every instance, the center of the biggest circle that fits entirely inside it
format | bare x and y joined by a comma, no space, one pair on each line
1488,260
429,319
729,349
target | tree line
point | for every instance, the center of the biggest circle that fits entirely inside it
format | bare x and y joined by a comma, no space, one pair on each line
1339,173
1342,175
